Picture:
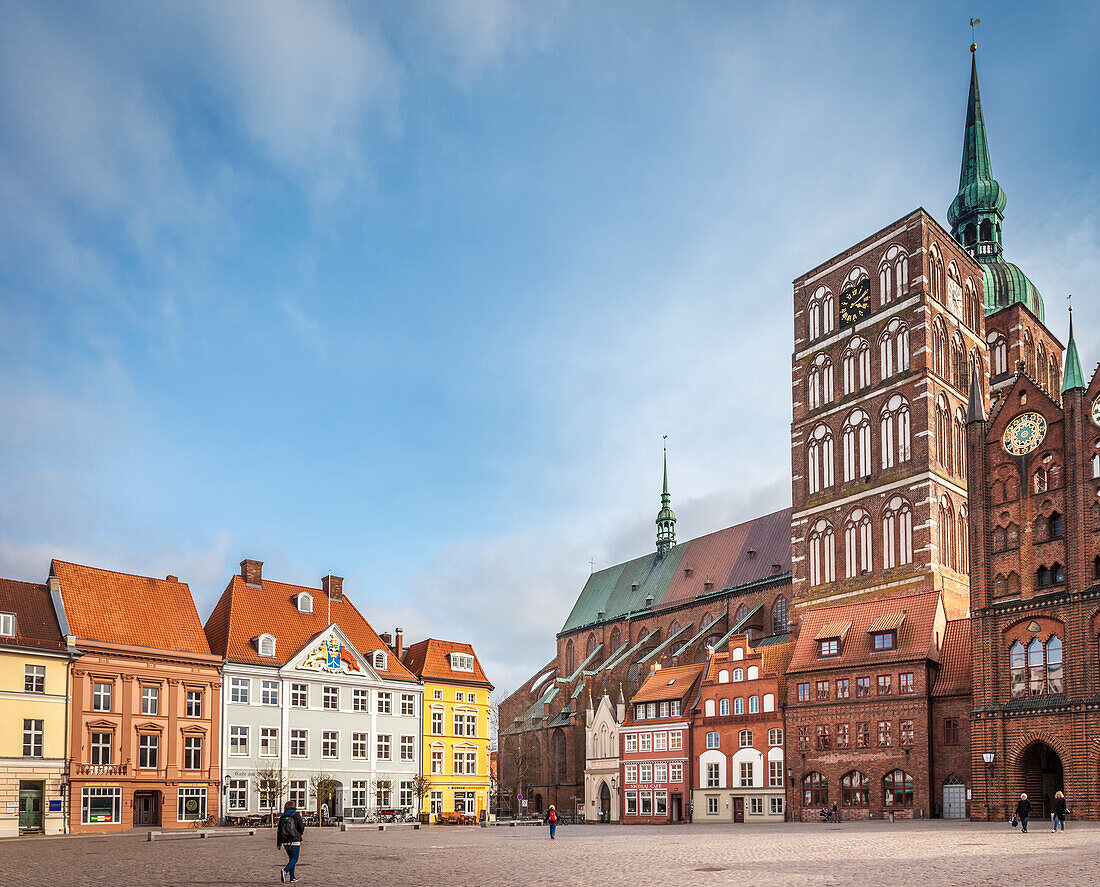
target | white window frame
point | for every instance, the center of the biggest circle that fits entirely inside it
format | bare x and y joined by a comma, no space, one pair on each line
193,703
238,737
269,692
328,736
299,695
299,735
330,694
183,794
236,795
269,739
89,792
240,691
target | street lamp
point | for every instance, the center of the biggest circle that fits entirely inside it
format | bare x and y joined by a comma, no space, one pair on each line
988,757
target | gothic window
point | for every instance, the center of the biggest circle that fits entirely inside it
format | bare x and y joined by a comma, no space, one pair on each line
1017,666
1040,364
857,543
1046,576
1000,538
820,382
936,273
590,646
857,365
1037,669
947,530
958,361
822,545
815,789
893,275
616,639
939,348
897,533
1041,480
1096,465
820,459
1055,526
857,446
1000,586
1029,351
971,300
958,442
558,754
943,431
885,284
569,666
897,789
779,615
1000,353
707,620
962,546
672,629
827,312
886,354
1052,373
855,789
741,613
813,311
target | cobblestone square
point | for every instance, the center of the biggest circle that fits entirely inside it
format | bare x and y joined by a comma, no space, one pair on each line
790,854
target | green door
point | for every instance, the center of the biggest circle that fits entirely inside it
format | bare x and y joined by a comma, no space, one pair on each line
30,806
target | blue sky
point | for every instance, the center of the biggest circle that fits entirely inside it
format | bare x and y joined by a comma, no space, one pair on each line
411,291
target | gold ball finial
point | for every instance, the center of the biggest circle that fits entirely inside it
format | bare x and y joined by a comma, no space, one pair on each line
973,47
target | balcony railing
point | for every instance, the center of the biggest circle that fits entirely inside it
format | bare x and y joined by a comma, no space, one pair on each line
99,769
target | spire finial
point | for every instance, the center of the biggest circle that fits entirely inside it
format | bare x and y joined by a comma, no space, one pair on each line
666,517
975,409
974,22
1073,377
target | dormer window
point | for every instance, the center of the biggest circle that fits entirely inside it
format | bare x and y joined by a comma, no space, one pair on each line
265,645
884,640
7,625
828,648
462,662
305,602
380,659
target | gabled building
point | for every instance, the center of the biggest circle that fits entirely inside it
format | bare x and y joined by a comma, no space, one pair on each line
144,717
601,770
737,728
34,684
317,708
949,731
859,708
456,741
655,747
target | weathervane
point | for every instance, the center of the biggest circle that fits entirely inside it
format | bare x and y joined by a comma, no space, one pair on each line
974,22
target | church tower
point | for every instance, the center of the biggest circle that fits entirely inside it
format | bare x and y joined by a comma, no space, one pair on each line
666,518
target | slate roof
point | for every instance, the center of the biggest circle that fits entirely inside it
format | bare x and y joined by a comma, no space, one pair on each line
120,608
749,552
35,621
956,667
915,637
668,683
430,660
244,612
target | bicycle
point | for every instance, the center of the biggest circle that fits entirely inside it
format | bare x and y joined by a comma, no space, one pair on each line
209,822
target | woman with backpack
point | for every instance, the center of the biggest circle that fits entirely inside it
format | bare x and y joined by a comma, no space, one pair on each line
552,818
288,835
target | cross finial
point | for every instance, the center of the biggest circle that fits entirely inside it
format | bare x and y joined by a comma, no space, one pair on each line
974,22
592,565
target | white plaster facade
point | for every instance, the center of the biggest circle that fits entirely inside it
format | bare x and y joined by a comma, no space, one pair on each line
601,769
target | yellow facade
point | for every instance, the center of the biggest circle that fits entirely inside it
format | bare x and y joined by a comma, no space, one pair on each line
33,689
448,746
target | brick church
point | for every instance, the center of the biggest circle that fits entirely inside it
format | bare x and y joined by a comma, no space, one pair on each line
938,572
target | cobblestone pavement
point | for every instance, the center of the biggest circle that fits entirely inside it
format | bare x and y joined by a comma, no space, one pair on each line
775,855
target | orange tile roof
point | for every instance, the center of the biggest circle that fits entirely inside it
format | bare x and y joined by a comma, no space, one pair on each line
119,608
915,640
836,629
35,621
887,622
430,659
245,612
775,658
956,667
668,683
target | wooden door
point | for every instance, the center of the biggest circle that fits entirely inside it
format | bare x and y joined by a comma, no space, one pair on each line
738,809
146,808
30,806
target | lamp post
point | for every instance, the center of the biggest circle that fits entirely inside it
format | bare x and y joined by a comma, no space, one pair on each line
988,757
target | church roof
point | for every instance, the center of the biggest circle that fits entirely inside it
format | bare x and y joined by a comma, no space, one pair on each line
1073,377
744,554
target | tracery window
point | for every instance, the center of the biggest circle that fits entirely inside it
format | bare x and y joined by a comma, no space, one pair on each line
939,348
857,543
1036,670
779,615
822,546
857,365
857,446
855,789
897,789
819,466
894,431
820,382
946,532
999,347
897,533
943,432
815,789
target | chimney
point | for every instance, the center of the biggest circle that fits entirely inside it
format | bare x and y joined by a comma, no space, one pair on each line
386,639
398,642
333,587
171,578
546,709
252,572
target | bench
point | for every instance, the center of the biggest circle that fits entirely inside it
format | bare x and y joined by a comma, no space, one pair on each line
199,833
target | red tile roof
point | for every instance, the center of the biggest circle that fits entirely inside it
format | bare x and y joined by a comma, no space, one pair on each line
245,612
916,636
35,621
119,608
668,683
838,629
887,622
956,667
431,660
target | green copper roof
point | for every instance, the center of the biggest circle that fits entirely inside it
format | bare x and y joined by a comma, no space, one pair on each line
1006,284
1073,378
978,190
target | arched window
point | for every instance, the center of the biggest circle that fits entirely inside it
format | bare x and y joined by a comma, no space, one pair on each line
738,675
958,362
970,298
828,311
266,645
738,706
744,739
857,543
569,663
857,446
1017,665
724,707
741,613
962,543
813,314
779,615
958,442
894,431
616,639
707,620
947,531
897,533
943,432
380,659
893,275
819,463
590,646
897,789
815,789
1054,665
673,629
1029,351
1035,682
820,383
936,273
753,673
822,549
708,708
558,755
999,347
939,348
724,676
855,789
305,602
754,705
1040,364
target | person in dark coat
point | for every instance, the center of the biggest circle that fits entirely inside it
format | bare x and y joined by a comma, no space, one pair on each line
288,835
1058,812
1023,811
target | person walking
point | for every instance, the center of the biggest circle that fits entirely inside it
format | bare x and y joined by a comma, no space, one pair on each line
1023,811
288,835
552,818
1058,812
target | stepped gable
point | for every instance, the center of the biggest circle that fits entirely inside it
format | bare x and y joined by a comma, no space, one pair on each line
744,554
430,659
245,612
120,608
916,633
35,621
956,677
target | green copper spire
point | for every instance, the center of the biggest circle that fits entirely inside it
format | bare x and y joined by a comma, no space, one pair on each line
666,518
1073,377
977,212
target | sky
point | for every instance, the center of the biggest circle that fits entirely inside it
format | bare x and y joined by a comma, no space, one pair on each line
412,291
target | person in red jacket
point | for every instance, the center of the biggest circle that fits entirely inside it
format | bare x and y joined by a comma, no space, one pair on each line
552,818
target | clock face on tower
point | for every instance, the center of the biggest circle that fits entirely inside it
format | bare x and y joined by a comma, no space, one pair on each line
1024,434
855,302
1096,411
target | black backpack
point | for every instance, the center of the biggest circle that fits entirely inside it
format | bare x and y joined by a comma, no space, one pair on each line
288,828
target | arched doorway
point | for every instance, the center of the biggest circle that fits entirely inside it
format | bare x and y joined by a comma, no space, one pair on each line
538,802
1039,770
605,803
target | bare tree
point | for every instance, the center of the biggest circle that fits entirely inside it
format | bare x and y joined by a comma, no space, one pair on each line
422,788
524,759
323,785
494,717
383,788
271,783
